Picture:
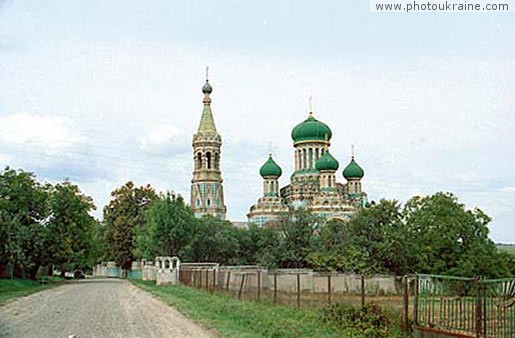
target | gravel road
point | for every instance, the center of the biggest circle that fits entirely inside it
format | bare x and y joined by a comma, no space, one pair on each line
94,308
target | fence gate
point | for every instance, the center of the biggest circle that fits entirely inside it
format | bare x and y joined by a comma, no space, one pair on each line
448,306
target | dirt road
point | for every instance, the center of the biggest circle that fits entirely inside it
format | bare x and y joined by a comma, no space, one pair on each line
94,308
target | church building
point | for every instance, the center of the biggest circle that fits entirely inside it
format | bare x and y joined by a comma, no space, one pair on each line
207,194
313,184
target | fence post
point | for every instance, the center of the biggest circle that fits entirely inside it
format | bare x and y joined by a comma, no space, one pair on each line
329,288
259,285
241,286
362,290
228,279
479,308
415,302
405,319
214,280
275,287
298,290
207,279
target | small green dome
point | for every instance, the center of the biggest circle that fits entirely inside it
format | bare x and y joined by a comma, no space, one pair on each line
327,162
206,88
311,130
270,168
353,170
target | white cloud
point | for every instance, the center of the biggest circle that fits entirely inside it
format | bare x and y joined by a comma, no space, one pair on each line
165,139
41,131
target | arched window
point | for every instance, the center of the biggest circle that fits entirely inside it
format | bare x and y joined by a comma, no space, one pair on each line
316,154
208,159
310,158
217,161
304,166
208,202
199,161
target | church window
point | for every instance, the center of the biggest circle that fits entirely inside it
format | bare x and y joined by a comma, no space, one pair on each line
304,159
199,160
208,159
217,161
198,202
316,154
310,158
218,203
208,202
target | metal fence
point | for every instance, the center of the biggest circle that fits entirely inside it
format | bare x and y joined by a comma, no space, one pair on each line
449,306
296,288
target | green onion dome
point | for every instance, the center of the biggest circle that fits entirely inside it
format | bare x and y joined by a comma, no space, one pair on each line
311,130
327,162
206,88
270,168
353,170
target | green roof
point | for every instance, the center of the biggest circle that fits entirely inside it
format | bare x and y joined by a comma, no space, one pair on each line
353,170
327,162
207,122
311,130
206,88
270,168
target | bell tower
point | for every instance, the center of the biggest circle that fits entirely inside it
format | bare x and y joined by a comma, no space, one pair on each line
207,196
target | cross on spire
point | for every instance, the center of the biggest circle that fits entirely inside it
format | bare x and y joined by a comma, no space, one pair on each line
310,102
352,151
207,73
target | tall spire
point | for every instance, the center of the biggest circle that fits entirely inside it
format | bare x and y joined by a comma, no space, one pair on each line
352,151
310,105
207,122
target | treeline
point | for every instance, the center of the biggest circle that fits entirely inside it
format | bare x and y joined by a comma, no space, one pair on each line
434,234
45,225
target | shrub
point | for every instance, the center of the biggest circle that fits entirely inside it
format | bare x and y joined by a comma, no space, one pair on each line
370,321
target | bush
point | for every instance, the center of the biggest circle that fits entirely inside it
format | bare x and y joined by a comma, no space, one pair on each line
370,321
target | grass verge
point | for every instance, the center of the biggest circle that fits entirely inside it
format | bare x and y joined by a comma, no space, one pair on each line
233,318
14,288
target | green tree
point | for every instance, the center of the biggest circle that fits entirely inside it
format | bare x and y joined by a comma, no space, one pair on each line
450,239
70,227
122,216
215,240
298,230
169,230
24,211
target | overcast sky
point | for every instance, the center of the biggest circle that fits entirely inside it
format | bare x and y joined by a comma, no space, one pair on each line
102,92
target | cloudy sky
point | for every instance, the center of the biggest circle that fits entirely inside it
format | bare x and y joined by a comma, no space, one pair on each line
102,92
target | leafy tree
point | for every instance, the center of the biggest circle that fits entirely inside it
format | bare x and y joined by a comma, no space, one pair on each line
215,240
70,227
299,230
451,239
122,216
169,230
24,211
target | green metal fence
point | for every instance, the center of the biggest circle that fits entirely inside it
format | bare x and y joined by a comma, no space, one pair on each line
449,306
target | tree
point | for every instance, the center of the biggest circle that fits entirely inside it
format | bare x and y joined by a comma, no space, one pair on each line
122,216
70,227
169,229
451,239
299,238
24,211
215,240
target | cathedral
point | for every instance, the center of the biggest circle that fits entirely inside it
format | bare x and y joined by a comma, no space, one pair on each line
313,184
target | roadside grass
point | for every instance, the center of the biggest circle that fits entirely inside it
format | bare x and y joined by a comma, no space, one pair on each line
234,318
14,288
